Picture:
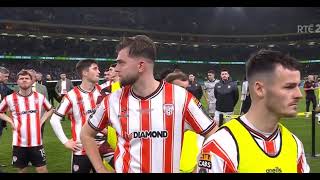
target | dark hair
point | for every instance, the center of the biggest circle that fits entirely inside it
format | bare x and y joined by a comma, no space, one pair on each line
176,75
4,70
113,65
211,71
164,73
222,70
24,72
84,65
265,61
139,46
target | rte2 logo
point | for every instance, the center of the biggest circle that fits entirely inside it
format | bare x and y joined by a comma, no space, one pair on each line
310,28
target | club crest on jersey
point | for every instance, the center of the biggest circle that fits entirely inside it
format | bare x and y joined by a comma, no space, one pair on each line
168,109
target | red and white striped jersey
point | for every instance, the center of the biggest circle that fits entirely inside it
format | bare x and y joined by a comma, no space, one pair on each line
105,84
78,105
150,129
223,149
26,115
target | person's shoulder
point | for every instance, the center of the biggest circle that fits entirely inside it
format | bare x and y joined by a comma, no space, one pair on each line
40,95
221,136
299,142
72,91
116,94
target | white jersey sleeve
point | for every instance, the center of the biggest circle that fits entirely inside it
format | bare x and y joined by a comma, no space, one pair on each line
303,166
195,117
46,104
55,120
218,154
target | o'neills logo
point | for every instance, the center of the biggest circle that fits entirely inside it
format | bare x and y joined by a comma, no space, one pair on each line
274,170
149,134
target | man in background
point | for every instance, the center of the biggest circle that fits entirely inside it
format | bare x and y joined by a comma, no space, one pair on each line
227,95
51,88
194,87
39,78
4,91
63,86
36,87
309,87
209,92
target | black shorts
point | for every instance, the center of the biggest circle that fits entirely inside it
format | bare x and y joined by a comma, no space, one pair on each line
81,164
21,156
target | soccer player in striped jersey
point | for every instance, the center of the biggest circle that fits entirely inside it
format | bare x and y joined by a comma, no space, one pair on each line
78,104
256,142
26,109
149,116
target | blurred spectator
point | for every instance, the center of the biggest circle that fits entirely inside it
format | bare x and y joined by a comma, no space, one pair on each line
194,87
63,86
227,95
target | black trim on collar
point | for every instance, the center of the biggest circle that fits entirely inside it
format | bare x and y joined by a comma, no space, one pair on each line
271,156
259,135
84,91
153,94
26,95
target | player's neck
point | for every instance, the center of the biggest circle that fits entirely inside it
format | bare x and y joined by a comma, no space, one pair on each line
262,119
145,86
25,92
87,86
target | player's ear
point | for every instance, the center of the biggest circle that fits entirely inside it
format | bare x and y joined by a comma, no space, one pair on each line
259,88
141,66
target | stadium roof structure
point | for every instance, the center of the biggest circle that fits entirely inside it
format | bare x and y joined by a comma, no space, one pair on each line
189,20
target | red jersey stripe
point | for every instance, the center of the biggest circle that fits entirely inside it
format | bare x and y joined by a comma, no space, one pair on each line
38,114
168,122
26,103
145,143
105,117
216,149
80,105
123,111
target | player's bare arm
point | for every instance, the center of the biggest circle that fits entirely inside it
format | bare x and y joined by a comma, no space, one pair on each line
87,137
46,115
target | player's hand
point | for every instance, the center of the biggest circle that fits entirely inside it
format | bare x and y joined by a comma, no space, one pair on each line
103,170
104,131
72,145
12,126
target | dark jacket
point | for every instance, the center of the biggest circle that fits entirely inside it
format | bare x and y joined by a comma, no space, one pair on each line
195,89
68,84
4,91
227,95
